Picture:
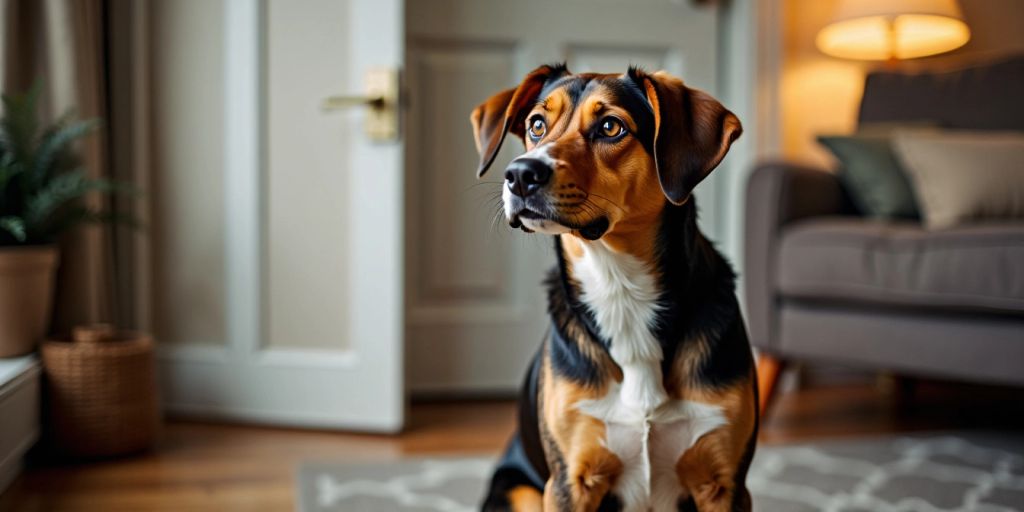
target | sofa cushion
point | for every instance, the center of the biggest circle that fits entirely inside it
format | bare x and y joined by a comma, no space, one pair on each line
969,268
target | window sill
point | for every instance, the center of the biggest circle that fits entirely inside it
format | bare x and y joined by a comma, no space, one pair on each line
19,413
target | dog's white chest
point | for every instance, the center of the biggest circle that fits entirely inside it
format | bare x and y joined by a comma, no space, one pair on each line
622,294
650,444
646,430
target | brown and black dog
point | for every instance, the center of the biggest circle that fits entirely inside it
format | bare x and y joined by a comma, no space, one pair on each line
643,396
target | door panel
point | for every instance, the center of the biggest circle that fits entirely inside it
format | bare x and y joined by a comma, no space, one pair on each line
448,270
476,310
307,243
468,277
188,228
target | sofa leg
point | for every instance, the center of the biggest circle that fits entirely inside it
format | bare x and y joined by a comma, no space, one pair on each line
903,390
769,369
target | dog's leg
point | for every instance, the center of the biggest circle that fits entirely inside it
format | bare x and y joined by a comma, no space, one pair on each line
507,495
551,496
515,484
742,501
712,474
522,498
714,469
588,476
706,470
592,472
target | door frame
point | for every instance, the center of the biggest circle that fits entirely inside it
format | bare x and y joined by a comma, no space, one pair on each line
240,379
750,74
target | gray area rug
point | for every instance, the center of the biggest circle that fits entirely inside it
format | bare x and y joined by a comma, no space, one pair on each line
955,472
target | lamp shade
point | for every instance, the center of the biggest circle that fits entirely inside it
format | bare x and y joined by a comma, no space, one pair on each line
887,29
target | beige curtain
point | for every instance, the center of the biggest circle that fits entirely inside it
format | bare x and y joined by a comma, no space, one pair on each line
61,42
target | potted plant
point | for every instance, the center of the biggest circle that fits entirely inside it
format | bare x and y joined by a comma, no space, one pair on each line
42,188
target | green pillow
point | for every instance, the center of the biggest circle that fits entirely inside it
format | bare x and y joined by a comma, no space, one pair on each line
873,176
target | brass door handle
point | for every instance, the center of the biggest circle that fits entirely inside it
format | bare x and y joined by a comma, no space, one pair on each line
382,99
342,102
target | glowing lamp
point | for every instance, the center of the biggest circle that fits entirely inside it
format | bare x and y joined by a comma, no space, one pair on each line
893,29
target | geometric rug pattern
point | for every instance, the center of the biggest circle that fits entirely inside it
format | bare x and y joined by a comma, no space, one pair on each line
942,473
933,474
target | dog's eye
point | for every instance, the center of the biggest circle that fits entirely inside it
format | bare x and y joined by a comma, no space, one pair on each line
611,128
537,127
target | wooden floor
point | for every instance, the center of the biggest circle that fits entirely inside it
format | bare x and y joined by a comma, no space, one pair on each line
212,467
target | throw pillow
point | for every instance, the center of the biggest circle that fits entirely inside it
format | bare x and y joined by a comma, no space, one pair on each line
962,176
872,176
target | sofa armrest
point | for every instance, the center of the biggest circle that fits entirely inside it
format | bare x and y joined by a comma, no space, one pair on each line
779,193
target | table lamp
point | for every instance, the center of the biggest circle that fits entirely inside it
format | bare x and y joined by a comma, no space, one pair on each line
893,30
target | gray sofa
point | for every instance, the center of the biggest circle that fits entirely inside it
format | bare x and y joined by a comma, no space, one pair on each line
825,284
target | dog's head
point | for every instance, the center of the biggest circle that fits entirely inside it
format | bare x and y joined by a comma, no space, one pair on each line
601,150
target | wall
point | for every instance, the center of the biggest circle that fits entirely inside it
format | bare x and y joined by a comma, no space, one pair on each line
820,94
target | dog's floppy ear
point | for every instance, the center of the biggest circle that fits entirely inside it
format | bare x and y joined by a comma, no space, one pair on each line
504,112
692,133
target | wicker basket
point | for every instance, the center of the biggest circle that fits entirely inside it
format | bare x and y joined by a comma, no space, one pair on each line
102,394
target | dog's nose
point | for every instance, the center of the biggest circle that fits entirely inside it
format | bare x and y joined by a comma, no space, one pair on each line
525,176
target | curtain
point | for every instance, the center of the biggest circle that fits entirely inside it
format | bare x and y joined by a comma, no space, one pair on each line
62,43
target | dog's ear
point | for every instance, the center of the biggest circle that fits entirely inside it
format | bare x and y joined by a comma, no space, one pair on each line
504,112
692,133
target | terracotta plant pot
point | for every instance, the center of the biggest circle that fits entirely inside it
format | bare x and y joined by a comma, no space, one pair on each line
26,297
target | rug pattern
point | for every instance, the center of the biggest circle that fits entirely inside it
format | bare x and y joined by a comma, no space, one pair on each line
908,474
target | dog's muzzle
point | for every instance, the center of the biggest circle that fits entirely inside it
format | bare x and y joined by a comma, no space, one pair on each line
529,209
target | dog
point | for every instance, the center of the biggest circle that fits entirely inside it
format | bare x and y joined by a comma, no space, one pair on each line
643,396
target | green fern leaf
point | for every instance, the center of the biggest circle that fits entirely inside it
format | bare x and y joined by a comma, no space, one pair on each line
63,190
21,122
57,192
54,143
8,170
15,226
42,190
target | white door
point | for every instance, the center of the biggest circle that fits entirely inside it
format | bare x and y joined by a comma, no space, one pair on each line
276,225
475,306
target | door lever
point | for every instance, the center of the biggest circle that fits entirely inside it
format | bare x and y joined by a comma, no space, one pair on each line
382,99
341,102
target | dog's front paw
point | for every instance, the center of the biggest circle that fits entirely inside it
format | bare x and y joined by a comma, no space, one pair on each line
591,476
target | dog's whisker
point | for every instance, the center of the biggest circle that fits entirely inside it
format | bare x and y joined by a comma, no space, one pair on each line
481,183
609,201
488,200
499,213
592,210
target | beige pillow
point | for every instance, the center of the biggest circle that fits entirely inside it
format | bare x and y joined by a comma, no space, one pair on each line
960,177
